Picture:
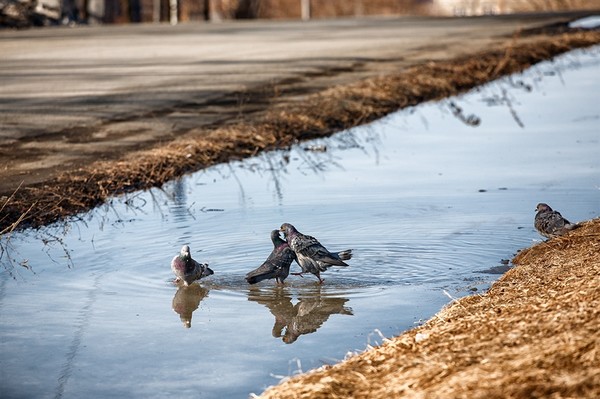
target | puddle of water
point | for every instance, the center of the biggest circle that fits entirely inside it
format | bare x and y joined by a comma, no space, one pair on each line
432,200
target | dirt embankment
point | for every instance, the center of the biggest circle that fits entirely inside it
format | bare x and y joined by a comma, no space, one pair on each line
534,334
279,126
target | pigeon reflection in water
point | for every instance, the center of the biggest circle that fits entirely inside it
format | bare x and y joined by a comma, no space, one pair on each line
305,317
186,300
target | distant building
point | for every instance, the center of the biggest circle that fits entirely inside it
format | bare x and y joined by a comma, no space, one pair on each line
175,11
485,7
470,7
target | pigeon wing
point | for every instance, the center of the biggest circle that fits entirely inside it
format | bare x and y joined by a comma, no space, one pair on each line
309,247
277,265
198,270
301,243
551,224
265,271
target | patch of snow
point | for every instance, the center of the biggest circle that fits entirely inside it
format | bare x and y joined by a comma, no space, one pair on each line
591,22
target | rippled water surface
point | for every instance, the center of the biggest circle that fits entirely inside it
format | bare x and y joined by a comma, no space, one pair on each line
433,200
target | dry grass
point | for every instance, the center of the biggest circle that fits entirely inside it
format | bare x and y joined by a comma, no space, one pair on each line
535,334
319,115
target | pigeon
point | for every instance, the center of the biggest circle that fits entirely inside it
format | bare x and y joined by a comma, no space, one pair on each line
187,269
277,265
311,255
550,223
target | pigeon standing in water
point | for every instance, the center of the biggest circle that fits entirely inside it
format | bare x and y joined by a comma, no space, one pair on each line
312,256
187,269
278,263
550,223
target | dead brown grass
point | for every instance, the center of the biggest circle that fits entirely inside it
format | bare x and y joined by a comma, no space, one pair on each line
318,115
535,334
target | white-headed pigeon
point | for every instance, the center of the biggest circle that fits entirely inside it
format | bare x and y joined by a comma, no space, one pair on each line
187,269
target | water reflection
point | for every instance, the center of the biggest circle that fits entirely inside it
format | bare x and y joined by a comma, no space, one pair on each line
186,301
412,194
176,198
83,322
310,312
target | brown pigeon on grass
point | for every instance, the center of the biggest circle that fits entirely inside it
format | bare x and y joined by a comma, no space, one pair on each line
550,223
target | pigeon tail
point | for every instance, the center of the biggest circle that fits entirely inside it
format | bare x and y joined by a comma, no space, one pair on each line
332,260
256,279
345,255
571,226
258,276
207,270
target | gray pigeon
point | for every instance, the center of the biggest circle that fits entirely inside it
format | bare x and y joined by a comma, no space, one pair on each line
277,265
187,269
311,255
550,223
